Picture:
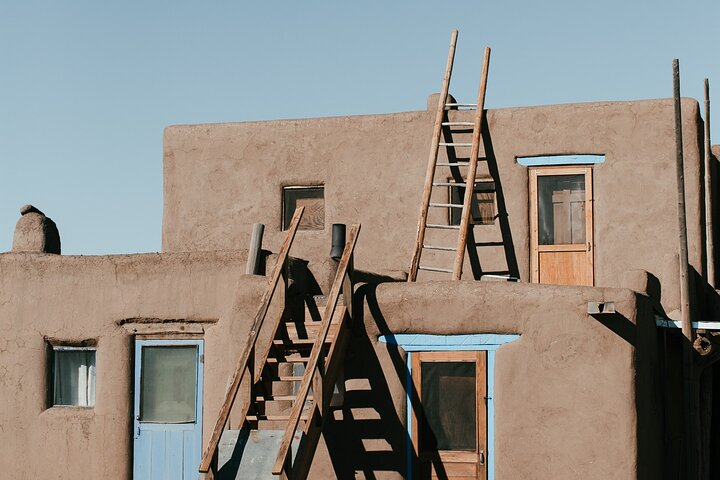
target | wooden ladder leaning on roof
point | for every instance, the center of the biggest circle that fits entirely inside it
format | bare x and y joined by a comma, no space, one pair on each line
245,367
321,372
430,177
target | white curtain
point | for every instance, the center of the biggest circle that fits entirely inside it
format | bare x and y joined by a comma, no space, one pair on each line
74,382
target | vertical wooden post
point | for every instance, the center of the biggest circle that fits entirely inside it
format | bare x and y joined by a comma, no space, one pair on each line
432,160
472,170
709,235
682,226
690,413
253,260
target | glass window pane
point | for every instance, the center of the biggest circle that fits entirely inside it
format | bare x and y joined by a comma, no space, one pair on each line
449,406
168,382
74,377
561,209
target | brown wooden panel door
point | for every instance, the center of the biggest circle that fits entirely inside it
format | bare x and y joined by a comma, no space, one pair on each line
561,226
450,415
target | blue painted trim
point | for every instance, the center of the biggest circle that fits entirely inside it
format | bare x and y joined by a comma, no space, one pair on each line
549,160
189,463
416,342
408,415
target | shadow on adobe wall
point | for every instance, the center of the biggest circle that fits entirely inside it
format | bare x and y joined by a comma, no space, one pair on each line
475,250
376,441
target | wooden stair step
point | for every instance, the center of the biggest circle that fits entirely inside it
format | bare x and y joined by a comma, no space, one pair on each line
271,398
272,418
292,358
283,378
300,342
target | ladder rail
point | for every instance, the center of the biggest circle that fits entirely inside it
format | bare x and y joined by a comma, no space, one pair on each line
472,170
315,361
247,355
432,159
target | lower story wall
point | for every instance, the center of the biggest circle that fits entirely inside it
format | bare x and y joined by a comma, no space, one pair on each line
566,391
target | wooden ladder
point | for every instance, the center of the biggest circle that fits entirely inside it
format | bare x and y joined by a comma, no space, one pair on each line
318,345
245,365
321,373
431,181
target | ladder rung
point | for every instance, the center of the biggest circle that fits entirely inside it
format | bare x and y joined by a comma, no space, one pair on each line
454,164
270,398
490,244
435,225
436,269
461,105
458,124
436,247
453,144
446,205
509,278
284,378
300,342
448,184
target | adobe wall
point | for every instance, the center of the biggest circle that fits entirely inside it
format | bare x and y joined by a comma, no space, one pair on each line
76,298
566,392
221,178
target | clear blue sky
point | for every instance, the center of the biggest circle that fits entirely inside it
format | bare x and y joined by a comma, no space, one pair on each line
87,87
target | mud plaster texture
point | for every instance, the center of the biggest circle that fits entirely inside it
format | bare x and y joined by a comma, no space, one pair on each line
34,232
108,299
221,178
567,392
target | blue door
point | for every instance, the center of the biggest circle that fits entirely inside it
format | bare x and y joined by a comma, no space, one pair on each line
168,409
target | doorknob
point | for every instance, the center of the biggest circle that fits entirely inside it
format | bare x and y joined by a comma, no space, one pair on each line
482,457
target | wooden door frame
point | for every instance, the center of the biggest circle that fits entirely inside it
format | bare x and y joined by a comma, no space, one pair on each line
479,357
535,247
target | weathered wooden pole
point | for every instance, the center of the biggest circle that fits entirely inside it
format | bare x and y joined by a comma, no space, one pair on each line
690,412
709,234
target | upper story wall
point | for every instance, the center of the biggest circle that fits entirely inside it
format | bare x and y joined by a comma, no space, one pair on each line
219,179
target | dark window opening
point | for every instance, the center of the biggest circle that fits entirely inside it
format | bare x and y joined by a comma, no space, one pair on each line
448,406
313,199
483,211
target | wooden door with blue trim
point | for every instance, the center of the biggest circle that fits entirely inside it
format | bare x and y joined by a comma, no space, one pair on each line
449,422
168,409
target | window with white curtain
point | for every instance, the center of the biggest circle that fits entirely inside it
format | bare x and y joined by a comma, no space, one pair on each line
73,373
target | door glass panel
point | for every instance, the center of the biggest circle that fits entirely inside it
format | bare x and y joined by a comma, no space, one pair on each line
168,384
561,209
449,406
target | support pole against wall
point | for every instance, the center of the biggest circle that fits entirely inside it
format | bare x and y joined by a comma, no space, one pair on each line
709,236
682,225
690,412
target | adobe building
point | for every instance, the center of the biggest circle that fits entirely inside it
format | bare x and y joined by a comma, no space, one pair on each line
558,355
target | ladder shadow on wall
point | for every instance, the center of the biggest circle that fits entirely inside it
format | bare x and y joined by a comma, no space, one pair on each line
474,248
366,436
